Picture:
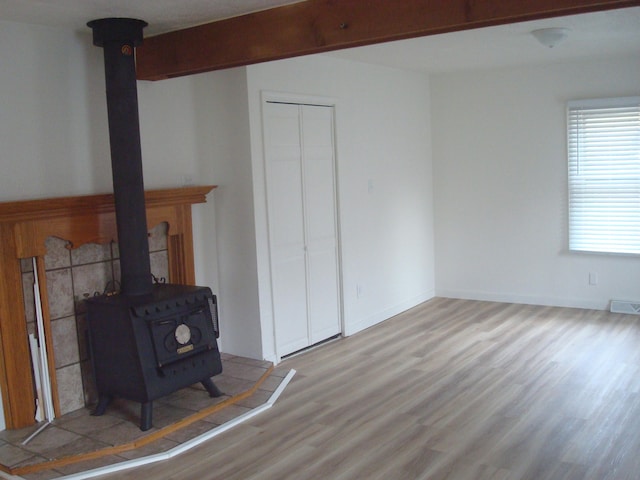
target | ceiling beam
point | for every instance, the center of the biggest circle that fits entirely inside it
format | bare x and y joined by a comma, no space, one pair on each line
315,26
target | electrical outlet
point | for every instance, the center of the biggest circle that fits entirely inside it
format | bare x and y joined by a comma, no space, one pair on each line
359,290
593,278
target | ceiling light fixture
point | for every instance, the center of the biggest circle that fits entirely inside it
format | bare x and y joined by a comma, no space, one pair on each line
550,37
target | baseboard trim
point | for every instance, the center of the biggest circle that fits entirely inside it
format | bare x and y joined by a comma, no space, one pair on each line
526,299
386,313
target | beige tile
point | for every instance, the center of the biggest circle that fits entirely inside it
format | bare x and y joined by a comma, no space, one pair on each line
232,386
89,279
251,361
77,446
192,399
243,371
50,440
160,264
34,460
70,389
158,237
11,455
58,255
90,253
29,300
60,293
90,464
42,475
17,436
123,432
26,265
165,415
83,423
65,341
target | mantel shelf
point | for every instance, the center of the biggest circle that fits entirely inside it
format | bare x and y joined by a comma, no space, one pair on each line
47,208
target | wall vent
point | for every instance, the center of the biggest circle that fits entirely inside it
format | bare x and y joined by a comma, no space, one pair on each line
624,306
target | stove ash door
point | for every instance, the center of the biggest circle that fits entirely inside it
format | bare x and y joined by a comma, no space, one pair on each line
181,335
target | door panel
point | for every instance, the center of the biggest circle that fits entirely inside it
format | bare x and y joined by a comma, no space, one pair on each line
286,226
320,222
324,305
290,301
299,155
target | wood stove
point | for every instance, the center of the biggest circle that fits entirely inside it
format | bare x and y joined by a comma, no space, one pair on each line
148,346
149,339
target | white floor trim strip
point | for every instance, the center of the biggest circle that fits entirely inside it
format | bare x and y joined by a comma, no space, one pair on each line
194,442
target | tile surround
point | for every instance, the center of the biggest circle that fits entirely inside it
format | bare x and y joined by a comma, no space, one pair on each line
91,253
60,293
65,341
70,389
72,275
58,253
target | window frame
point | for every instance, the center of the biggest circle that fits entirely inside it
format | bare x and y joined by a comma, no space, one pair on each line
602,197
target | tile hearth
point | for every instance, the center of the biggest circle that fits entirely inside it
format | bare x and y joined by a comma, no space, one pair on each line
85,442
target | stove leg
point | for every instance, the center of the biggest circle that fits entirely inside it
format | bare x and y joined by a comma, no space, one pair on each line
146,413
103,402
211,388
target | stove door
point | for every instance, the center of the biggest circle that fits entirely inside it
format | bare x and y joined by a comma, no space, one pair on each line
181,335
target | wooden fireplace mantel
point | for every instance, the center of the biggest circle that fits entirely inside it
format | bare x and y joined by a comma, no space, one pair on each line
24,227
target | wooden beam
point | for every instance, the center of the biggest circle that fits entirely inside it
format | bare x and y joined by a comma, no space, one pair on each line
315,26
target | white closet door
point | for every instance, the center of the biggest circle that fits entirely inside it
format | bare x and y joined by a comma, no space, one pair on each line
299,156
320,220
286,226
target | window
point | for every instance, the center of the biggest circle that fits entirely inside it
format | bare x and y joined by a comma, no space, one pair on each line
604,175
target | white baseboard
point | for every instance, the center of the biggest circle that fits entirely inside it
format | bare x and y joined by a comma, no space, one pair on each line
526,299
354,327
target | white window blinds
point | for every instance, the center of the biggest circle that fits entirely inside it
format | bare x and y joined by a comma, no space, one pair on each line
604,175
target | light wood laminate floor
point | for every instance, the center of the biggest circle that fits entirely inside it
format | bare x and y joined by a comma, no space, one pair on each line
451,389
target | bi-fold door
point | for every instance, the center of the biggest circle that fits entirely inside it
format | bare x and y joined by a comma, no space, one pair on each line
301,197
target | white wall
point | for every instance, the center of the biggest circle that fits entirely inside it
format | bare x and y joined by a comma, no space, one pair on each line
227,242
383,136
53,137
53,128
499,149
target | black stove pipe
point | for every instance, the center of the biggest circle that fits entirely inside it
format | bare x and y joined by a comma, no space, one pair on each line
119,37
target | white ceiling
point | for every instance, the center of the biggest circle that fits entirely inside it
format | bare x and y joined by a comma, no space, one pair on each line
613,32
599,34
161,15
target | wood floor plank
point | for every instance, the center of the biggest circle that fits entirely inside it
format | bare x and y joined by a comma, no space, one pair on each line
451,389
